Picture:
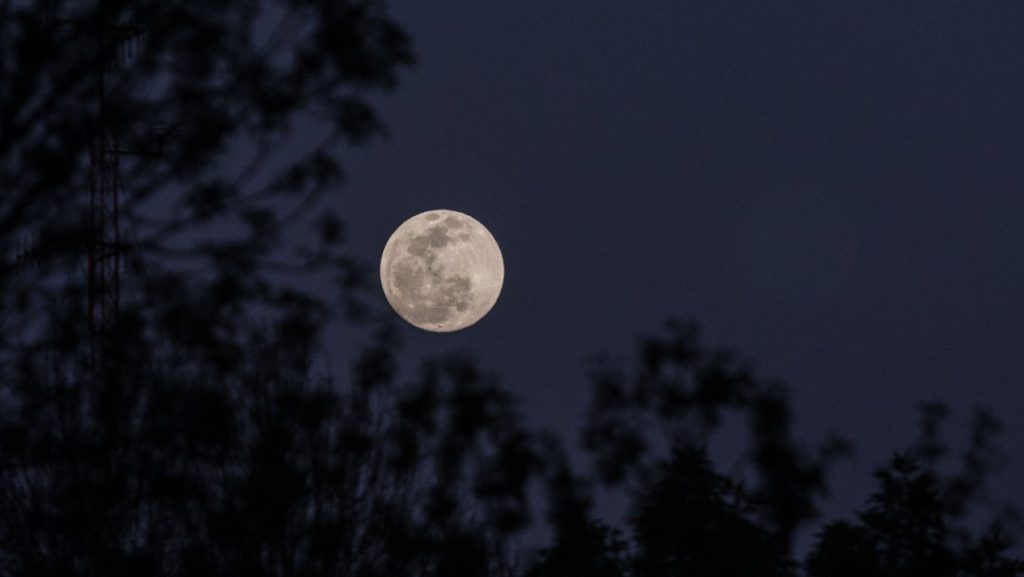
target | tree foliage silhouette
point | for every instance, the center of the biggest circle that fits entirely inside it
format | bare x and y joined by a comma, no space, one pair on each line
686,390
204,98
694,521
909,526
687,518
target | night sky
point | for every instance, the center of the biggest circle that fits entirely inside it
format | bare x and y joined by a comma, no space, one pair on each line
833,189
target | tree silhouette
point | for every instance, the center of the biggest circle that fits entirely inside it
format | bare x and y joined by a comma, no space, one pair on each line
687,518
201,101
909,525
200,443
580,544
260,472
694,521
905,531
902,532
685,390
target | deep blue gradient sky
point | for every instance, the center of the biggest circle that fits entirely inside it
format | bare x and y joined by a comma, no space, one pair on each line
833,188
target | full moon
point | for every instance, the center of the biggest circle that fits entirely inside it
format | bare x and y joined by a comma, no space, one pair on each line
442,270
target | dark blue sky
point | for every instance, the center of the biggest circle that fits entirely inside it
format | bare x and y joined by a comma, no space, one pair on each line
833,188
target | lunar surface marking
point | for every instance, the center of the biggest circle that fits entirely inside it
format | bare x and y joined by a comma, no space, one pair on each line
442,270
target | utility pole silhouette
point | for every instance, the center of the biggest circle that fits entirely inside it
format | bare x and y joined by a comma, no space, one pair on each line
113,45
106,239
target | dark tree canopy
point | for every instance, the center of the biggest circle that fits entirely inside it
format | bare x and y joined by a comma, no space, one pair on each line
202,101
693,521
918,521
